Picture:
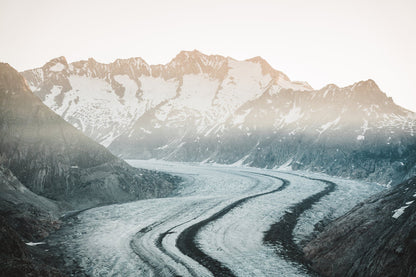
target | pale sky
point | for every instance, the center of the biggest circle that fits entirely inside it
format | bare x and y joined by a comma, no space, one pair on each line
321,42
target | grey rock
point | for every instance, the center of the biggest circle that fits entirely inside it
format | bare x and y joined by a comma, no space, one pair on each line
373,239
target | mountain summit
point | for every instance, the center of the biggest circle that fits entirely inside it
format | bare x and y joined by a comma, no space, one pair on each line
216,109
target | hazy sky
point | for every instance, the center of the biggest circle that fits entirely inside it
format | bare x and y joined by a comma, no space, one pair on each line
321,42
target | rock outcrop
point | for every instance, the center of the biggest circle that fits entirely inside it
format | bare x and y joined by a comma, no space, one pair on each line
376,238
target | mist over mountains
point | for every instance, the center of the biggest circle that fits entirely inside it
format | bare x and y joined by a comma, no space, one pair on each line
203,108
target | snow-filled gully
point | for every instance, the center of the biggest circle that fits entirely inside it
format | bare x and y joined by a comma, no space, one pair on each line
224,221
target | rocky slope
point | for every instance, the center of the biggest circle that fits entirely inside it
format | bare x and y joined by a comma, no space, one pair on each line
376,238
24,217
48,167
55,160
217,109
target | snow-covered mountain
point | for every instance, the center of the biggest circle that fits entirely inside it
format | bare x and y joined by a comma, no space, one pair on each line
105,100
218,109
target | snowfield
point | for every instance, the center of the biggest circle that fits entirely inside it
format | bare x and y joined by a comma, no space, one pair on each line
214,225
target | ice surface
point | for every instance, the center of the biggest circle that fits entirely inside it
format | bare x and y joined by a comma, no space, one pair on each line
123,239
347,194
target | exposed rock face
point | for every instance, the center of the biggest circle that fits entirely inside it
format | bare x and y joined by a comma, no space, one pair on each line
55,160
376,238
24,216
217,109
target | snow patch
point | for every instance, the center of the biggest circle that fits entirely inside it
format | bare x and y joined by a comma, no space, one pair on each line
240,161
293,115
239,118
157,90
50,98
197,92
35,243
328,125
286,166
398,212
129,85
58,67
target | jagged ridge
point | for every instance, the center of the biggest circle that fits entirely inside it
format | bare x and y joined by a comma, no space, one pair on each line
217,109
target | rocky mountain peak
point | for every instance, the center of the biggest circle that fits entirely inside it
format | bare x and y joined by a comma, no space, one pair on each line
195,62
329,87
366,85
305,84
56,60
11,80
56,65
131,61
266,68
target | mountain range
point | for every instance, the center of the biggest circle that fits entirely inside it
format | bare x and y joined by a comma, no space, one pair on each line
203,108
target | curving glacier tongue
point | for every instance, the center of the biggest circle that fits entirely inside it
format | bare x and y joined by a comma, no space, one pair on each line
237,206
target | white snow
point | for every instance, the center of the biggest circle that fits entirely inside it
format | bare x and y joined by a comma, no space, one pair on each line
156,90
286,166
293,115
328,125
50,98
398,212
58,67
92,98
245,82
197,92
298,86
129,85
360,137
34,243
163,147
239,118
240,162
